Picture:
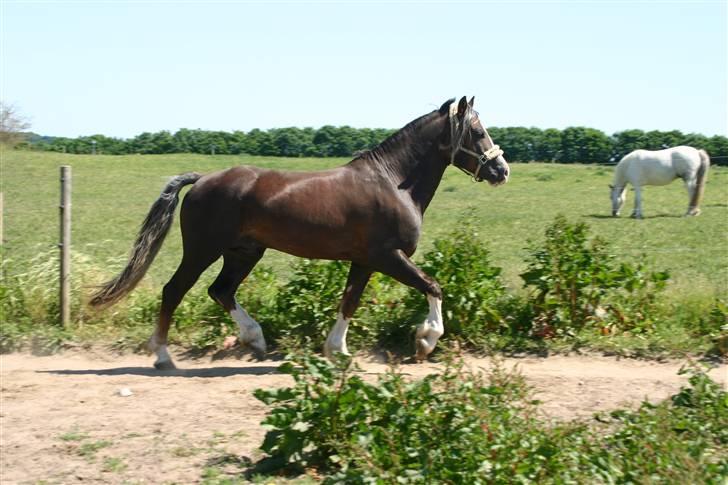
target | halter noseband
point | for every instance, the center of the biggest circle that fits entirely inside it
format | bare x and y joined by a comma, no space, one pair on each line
490,154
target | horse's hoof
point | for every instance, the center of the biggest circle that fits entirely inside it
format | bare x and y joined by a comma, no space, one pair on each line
258,354
331,353
423,350
165,365
259,351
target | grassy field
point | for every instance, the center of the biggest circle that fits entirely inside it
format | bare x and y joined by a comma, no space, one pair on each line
112,194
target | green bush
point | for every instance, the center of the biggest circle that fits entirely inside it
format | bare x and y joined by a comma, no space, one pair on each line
681,440
460,426
474,297
305,307
576,282
454,427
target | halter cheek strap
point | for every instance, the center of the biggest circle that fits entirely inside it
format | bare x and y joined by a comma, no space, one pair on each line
457,144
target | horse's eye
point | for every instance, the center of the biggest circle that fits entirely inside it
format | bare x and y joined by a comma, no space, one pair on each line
479,134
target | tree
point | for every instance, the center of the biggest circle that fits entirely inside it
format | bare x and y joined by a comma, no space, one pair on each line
584,145
12,125
627,141
548,145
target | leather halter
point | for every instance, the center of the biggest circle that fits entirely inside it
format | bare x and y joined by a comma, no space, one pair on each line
457,146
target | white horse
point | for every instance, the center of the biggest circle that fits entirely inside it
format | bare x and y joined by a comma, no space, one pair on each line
646,167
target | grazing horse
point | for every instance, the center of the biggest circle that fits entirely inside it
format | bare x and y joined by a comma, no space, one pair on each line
646,167
368,211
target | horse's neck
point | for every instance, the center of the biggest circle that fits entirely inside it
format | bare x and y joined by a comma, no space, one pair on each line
620,174
416,163
423,181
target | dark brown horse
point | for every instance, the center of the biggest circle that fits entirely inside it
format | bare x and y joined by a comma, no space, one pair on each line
368,211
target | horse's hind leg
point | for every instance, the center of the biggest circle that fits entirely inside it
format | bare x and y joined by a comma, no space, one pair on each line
355,284
691,186
238,263
183,279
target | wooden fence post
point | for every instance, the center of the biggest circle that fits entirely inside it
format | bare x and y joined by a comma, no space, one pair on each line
65,245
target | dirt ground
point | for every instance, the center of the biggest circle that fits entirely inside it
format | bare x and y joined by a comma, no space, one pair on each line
89,418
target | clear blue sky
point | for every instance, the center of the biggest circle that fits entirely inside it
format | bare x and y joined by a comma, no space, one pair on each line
120,68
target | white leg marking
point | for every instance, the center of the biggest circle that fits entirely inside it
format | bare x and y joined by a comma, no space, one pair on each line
163,354
429,331
336,341
164,360
250,332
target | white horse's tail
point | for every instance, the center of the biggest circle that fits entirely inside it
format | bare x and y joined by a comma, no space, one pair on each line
700,179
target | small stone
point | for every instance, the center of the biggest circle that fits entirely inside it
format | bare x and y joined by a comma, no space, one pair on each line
125,392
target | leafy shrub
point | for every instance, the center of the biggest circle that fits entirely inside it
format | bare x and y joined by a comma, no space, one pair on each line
577,282
305,307
462,427
714,325
454,427
473,294
681,440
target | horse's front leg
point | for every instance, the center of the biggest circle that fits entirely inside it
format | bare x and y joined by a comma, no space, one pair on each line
429,331
355,284
398,266
637,212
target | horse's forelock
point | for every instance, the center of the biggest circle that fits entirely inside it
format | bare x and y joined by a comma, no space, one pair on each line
446,106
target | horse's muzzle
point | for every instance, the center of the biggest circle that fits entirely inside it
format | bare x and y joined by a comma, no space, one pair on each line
499,172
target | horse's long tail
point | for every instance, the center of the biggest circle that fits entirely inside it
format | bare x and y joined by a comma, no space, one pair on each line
700,179
151,236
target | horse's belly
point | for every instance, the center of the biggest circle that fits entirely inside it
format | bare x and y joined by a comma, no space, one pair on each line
310,240
662,178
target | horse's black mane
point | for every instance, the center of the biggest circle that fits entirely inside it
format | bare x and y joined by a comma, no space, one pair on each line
395,139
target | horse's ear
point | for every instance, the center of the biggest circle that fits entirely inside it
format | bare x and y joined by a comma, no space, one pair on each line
472,101
462,107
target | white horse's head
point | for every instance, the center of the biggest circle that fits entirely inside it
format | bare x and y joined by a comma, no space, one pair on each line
618,196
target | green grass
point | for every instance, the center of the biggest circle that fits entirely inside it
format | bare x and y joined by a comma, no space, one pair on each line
112,194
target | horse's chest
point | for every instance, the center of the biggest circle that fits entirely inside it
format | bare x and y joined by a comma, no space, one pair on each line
402,226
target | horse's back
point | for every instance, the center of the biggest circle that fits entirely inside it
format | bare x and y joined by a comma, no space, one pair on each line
327,214
659,167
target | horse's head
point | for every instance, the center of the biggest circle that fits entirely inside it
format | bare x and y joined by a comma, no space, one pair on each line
617,194
472,149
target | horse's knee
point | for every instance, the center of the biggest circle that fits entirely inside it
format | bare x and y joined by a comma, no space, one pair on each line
434,290
221,297
214,294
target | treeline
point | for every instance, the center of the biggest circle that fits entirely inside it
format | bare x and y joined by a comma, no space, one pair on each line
570,145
